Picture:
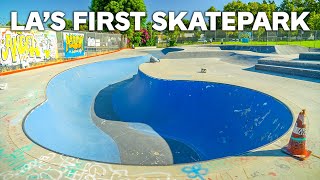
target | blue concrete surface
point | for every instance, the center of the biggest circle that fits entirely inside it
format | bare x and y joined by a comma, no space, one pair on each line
199,120
63,123
215,120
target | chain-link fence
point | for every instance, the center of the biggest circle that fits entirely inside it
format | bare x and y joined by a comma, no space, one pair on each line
302,38
33,48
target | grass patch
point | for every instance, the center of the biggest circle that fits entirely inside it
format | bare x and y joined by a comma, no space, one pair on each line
310,44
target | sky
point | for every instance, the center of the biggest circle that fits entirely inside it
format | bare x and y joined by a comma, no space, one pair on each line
23,7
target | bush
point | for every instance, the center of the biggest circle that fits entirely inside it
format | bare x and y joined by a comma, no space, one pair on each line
172,43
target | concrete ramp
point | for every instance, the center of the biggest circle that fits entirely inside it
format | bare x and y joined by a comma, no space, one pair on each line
196,54
288,49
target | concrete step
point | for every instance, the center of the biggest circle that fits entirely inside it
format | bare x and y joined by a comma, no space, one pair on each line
294,64
289,70
309,56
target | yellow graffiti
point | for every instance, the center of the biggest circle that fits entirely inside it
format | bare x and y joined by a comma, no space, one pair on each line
74,41
47,53
22,45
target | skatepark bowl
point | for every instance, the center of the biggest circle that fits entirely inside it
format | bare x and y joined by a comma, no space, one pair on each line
112,112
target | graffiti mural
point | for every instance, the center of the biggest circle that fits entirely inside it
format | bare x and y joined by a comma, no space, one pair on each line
92,42
73,44
27,47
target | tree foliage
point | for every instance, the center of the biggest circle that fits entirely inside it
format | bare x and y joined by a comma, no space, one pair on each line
314,21
69,25
219,19
19,24
115,6
269,6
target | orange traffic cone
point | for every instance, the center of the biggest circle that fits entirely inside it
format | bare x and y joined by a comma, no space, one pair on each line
297,143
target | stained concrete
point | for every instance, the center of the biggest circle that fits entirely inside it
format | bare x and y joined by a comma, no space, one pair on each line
137,147
22,159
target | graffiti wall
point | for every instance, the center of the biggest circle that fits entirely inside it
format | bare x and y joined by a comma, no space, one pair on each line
73,44
92,42
27,47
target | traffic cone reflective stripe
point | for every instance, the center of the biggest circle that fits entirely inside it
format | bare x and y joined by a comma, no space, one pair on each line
298,139
297,143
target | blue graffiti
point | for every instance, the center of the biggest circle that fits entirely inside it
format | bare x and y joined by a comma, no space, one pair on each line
195,171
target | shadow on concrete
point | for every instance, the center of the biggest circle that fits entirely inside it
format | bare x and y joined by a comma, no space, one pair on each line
252,69
160,53
242,59
168,50
181,152
103,101
246,57
267,153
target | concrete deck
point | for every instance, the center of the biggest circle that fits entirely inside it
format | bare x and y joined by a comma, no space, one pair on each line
22,159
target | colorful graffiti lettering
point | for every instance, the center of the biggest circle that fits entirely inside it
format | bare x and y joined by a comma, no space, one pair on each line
195,171
53,166
16,160
33,46
73,44
22,45
74,41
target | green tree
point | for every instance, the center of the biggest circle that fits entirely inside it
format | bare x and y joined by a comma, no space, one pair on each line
197,33
268,7
84,27
314,21
173,36
312,6
236,6
153,35
289,6
115,6
19,24
69,24
219,19
254,7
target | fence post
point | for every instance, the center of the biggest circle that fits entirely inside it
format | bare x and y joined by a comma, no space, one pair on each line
86,43
300,37
315,38
289,37
63,54
252,38
95,47
108,48
215,35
